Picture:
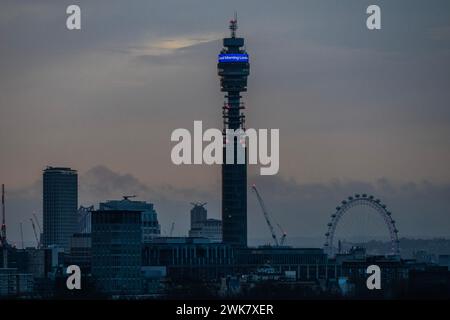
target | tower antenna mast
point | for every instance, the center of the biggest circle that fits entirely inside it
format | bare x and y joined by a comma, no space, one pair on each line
233,25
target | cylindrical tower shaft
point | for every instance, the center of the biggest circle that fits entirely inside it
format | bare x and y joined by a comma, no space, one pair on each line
233,69
3,232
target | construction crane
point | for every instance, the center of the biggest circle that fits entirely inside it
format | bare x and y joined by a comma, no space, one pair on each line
35,234
269,224
39,227
199,204
283,235
38,224
171,229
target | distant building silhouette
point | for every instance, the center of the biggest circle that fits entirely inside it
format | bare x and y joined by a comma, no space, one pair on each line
189,258
200,259
201,226
60,202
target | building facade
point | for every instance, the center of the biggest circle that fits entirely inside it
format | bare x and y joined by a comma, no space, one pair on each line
60,203
189,258
309,264
201,259
116,251
150,225
80,252
13,283
202,227
84,219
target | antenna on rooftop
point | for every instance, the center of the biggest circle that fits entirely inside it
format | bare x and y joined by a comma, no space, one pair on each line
233,25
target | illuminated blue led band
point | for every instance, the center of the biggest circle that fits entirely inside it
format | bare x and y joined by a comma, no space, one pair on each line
233,57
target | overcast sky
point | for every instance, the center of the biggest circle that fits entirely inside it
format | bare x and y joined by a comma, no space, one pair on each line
358,110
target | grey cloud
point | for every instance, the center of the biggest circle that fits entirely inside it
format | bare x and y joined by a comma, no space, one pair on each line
420,208
349,103
102,183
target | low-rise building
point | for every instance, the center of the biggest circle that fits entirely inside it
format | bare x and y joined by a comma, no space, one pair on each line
14,283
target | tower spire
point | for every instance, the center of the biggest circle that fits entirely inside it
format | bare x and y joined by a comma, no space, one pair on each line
233,25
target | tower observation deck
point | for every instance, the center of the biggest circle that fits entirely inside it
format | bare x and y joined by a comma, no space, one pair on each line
233,69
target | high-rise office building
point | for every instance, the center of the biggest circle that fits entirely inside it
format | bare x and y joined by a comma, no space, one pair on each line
116,251
233,68
60,203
